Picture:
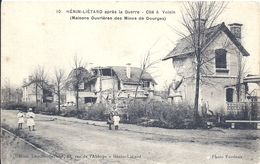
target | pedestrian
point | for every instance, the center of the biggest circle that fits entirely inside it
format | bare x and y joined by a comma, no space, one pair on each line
30,121
116,119
110,120
20,119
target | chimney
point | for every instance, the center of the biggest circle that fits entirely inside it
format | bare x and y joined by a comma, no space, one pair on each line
30,78
199,24
24,81
235,29
128,70
199,29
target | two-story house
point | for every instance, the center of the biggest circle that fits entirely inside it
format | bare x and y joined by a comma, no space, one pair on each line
221,70
37,91
111,83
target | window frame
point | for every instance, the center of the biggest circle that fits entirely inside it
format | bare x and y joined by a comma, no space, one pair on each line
146,84
221,59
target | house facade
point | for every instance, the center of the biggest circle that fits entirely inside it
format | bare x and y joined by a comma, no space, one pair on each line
221,70
112,84
41,95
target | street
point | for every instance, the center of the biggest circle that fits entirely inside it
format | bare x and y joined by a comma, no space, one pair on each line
71,140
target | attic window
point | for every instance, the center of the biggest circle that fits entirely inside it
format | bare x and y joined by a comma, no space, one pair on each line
146,84
221,58
107,72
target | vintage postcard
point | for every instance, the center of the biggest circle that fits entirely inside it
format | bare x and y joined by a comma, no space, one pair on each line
130,82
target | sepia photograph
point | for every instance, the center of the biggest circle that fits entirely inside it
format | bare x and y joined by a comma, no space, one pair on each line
157,82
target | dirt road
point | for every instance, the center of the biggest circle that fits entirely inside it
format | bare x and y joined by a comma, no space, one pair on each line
83,141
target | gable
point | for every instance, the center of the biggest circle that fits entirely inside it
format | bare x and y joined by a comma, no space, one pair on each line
184,47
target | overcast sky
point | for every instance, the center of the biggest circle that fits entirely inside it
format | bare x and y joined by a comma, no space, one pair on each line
33,34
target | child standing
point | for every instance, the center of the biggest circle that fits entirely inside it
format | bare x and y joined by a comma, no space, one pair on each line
116,119
110,120
30,122
20,119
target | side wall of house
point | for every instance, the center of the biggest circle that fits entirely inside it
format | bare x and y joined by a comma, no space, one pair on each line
184,67
214,85
29,93
233,56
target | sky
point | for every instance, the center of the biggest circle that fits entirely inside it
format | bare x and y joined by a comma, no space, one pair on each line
41,34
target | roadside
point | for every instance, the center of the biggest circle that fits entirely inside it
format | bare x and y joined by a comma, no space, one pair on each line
13,148
205,136
71,139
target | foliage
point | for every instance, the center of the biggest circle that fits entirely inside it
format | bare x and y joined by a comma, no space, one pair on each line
49,110
15,106
92,112
160,114
255,111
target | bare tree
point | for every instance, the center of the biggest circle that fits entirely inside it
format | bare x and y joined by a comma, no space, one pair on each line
40,78
196,18
58,81
145,65
6,92
76,77
241,74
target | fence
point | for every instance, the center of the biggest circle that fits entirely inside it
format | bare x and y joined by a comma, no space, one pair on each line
236,106
252,109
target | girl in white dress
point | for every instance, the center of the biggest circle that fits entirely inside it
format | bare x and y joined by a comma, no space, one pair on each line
20,119
116,119
30,122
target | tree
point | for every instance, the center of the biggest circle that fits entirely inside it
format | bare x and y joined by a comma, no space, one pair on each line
10,93
76,77
196,18
40,78
145,65
241,74
6,92
58,81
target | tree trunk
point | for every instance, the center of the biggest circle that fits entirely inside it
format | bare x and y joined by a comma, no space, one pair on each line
197,84
196,103
58,99
139,81
77,99
36,92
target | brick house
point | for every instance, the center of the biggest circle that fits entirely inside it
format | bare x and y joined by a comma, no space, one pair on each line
219,72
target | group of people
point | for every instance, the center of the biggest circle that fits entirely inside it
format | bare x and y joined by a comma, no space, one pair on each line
30,121
113,119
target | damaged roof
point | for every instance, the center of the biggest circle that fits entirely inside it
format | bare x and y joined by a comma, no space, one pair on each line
184,47
135,73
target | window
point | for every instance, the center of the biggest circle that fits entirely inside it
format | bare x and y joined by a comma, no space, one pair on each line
119,85
221,58
87,87
90,100
107,72
229,94
146,84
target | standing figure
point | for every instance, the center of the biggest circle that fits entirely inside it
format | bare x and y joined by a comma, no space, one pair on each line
20,119
116,119
110,120
30,122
